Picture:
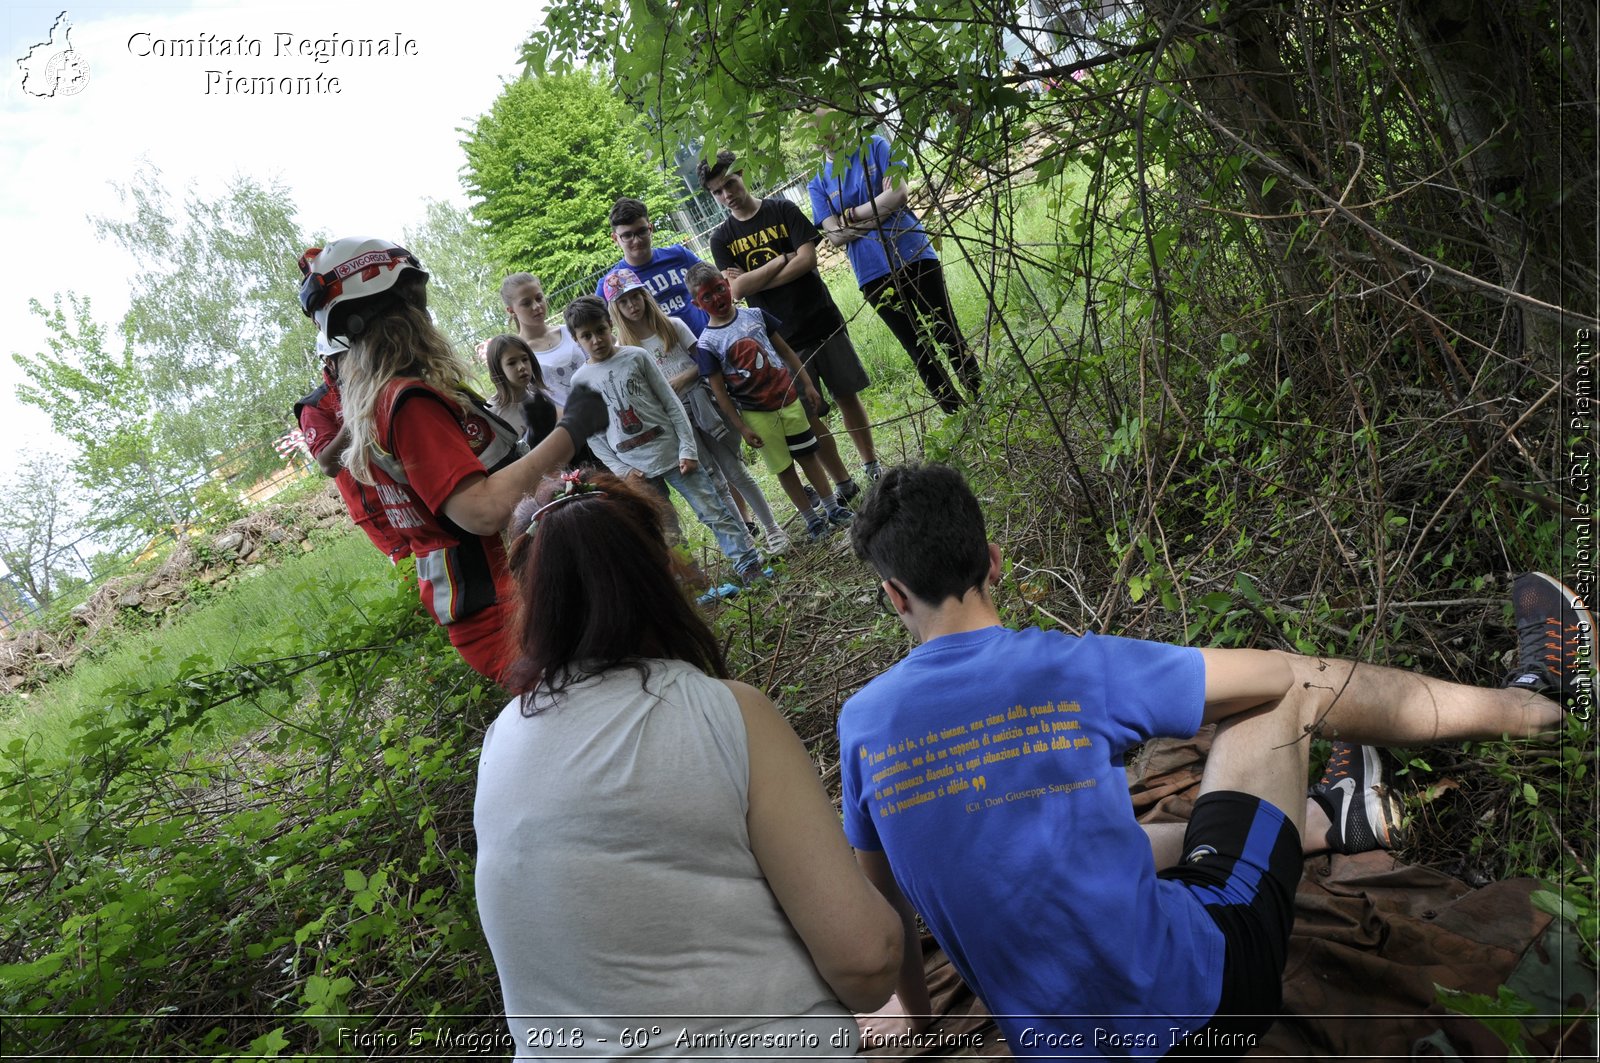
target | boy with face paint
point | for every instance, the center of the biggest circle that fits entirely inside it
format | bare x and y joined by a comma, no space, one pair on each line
754,375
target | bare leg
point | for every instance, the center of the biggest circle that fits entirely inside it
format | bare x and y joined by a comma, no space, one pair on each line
1166,842
789,480
828,450
1166,839
813,466
1264,752
853,412
1371,705
1314,838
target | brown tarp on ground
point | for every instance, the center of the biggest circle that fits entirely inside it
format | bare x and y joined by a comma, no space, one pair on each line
1372,937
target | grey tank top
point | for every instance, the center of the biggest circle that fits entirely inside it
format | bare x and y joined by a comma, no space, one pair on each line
617,888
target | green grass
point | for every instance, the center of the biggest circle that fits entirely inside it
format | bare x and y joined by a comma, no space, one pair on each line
274,606
895,384
885,360
338,875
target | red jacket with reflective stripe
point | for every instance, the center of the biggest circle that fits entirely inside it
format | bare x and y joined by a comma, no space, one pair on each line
426,446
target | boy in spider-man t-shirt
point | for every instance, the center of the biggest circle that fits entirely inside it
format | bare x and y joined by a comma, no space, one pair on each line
754,375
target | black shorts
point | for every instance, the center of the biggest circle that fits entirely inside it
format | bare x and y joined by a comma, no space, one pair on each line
1242,861
834,364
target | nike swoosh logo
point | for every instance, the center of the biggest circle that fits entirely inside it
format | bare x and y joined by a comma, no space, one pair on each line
1347,793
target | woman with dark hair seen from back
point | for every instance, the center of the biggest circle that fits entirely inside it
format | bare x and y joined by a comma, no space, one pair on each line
653,840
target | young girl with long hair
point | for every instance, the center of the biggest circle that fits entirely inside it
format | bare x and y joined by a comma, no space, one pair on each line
447,473
520,398
654,845
553,347
640,322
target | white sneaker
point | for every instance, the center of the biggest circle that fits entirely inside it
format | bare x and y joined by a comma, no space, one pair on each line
777,541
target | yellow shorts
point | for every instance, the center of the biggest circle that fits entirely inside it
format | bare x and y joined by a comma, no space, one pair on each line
784,433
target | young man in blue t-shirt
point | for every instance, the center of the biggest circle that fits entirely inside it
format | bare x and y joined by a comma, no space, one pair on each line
859,201
983,786
662,270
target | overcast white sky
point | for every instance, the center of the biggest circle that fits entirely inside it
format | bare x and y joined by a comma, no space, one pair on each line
58,156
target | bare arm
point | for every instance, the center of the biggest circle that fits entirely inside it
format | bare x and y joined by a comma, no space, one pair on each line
482,505
686,344
909,1010
865,219
852,933
1239,680
879,208
861,220
779,271
836,233
328,457
719,391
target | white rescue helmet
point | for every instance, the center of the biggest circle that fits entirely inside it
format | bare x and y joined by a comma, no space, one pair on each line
342,276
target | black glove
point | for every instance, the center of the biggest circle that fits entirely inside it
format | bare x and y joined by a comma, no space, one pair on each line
585,414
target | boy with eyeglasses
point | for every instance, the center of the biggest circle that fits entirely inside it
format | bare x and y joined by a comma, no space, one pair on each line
662,269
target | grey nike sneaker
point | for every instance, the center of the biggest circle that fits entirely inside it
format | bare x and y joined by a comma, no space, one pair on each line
1555,641
1365,814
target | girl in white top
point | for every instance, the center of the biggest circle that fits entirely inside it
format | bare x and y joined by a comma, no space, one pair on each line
640,322
654,846
558,353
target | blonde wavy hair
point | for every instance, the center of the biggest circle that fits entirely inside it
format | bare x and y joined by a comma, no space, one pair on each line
401,342
655,323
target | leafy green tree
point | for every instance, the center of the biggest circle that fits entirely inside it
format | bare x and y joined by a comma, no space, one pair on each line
463,282
37,521
100,400
213,351
214,317
546,163
1370,165
736,74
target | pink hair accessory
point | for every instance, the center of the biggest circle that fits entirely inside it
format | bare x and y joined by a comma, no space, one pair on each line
573,486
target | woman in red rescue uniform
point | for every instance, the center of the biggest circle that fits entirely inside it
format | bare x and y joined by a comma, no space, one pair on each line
448,472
